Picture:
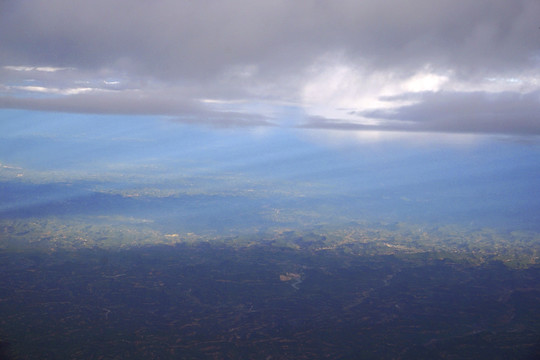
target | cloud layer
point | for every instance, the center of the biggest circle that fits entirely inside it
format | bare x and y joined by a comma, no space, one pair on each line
416,65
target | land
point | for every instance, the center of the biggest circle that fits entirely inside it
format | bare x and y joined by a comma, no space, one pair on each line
117,288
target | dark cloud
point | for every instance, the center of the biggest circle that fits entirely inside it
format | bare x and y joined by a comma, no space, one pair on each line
451,112
266,50
133,103
201,39
138,104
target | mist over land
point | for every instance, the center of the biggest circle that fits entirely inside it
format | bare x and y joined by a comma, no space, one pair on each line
171,173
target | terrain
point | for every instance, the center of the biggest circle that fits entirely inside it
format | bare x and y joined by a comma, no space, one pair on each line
82,289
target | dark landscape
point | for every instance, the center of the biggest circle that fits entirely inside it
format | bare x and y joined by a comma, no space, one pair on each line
367,291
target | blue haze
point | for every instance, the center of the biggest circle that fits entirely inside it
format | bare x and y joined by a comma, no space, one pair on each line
232,178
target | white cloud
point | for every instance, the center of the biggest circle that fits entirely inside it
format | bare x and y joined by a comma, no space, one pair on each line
425,81
50,69
47,90
340,89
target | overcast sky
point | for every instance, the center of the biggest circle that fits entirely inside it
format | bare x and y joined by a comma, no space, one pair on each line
448,66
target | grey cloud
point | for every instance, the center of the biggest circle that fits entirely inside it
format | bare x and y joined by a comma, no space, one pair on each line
104,103
199,40
225,120
452,112
263,50
137,103
319,122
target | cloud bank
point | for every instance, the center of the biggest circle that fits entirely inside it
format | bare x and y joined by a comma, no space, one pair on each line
445,66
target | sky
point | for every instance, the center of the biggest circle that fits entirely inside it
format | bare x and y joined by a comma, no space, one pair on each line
387,103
